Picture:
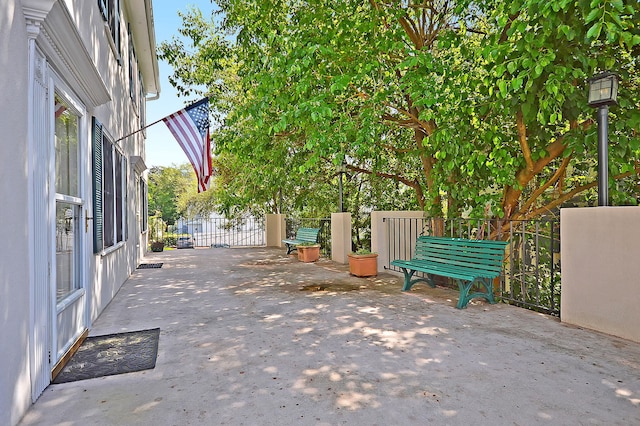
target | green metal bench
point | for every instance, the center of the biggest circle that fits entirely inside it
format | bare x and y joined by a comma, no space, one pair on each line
468,262
303,235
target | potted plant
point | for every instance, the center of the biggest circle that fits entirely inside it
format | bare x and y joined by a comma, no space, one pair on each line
156,234
363,263
308,252
157,246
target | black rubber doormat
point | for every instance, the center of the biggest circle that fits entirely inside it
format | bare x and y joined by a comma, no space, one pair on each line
150,265
112,354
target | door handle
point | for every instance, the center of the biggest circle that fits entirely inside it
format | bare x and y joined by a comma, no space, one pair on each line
86,221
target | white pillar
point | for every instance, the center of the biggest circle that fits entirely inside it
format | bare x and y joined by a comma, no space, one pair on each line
276,229
340,237
40,215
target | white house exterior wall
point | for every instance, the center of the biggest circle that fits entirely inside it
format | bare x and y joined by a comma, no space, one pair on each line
15,393
30,29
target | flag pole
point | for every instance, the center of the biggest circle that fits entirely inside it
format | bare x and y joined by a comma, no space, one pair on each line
157,121
139,130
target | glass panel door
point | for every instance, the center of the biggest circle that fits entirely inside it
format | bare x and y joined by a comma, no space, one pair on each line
68,201
70,300
67,243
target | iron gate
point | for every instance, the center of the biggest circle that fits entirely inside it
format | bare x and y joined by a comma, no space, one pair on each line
220,232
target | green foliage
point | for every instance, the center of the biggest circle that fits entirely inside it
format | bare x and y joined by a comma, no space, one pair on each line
166,186
308,244
363,251
445,106
171,238
157,227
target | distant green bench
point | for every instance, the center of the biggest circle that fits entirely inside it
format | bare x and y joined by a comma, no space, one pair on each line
304,235
468,262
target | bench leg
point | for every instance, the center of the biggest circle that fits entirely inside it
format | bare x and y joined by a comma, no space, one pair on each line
465,288
408,282
290,248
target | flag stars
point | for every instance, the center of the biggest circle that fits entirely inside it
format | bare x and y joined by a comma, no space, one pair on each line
190,127
200,115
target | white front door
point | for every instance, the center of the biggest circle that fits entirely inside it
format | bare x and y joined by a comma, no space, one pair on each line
69,296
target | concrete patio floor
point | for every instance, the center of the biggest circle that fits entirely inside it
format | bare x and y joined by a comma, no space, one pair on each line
254,337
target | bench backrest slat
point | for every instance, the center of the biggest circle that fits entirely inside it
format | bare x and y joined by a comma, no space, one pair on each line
483,255
470,254
462,241
308,234
468,262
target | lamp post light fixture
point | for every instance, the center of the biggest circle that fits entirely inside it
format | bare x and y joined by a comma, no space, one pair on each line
603,91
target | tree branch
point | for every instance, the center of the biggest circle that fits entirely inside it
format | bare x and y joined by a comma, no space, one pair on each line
427,126
571,194
522,137
505,30
540,191
414,184
524,176
411,31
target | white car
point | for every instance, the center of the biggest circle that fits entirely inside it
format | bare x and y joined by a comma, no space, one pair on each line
184,242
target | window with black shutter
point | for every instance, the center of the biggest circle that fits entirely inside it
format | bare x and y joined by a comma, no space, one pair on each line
109,191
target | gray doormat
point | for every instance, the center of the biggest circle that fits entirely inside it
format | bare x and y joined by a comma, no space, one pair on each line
112,354
150,265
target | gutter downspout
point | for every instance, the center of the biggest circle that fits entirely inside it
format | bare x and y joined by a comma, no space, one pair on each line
152,42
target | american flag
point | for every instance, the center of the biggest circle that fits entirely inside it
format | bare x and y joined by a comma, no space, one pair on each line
190,127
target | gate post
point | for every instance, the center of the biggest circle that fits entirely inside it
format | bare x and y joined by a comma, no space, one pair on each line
340,237
275,229
382,237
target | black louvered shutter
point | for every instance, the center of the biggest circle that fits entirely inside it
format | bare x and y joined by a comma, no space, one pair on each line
98,244
125,197
102,5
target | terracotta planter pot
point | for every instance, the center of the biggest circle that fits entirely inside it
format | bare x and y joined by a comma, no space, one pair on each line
363,265
308,253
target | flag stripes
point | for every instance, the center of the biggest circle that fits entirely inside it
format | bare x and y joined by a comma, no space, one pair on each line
190,127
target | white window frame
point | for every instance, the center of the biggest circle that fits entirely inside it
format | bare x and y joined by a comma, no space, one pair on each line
133,71
110,11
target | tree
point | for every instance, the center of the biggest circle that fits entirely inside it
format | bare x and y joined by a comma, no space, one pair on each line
166,186
478,107
538,63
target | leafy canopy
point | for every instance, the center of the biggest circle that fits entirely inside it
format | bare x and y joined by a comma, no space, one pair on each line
463,108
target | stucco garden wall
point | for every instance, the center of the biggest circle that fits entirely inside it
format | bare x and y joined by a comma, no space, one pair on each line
601,269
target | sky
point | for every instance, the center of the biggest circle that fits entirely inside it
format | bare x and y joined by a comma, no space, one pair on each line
162,148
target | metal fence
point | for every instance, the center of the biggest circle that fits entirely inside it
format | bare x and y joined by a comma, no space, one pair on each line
532,279
220,232
531,274
324,238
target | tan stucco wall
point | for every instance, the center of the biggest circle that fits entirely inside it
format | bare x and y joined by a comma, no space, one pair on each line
340,237
276,230
601,269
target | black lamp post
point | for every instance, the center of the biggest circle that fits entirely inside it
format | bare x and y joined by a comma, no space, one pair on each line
341,171
603,91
